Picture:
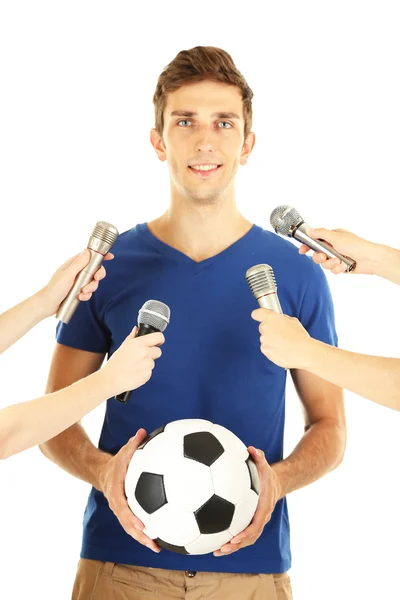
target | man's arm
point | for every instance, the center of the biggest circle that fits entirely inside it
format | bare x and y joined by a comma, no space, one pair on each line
320,450
73,451
322,447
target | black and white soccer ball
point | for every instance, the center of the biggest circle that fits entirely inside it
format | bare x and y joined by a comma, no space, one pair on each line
194,486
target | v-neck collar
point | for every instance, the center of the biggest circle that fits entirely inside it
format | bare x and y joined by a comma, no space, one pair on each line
182,258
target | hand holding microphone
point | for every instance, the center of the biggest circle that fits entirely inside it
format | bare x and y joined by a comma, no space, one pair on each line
283,339
52,295
131,366
153,319
365,252
100,242
287,221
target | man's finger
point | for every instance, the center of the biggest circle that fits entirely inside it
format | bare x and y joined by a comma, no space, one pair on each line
132,445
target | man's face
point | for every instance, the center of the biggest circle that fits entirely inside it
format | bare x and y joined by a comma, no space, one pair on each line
203,139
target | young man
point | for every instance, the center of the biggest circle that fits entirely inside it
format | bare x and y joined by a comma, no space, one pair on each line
287,343
30,423
194,257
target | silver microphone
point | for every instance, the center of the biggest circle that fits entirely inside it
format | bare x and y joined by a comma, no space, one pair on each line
287,221
153,316
261,280
100,242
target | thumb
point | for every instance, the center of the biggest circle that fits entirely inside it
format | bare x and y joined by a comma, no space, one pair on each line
258,457
78,262
132,335
133,444
321,233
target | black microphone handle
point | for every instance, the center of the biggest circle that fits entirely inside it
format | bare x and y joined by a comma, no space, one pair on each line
143,329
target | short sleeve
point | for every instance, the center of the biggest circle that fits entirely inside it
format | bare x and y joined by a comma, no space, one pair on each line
316,309
86,330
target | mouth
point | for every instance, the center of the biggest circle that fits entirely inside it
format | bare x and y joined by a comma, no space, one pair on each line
205,170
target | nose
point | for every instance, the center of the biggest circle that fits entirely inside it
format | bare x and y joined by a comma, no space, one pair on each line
204,143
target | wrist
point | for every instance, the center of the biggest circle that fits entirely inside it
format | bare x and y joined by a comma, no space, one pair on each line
39,306
43,304
278,469
100,476
381,257
309,354
110,384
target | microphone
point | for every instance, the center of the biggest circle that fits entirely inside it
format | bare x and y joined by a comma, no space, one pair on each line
261,280
153,316
287,221
100,242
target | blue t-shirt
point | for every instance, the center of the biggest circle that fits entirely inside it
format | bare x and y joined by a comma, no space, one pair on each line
211,368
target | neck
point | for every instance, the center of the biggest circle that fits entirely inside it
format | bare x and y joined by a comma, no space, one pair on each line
200,231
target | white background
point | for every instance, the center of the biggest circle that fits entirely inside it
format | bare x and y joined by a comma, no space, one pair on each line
77,80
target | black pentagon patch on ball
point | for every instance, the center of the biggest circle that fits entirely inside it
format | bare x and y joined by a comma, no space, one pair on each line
150,492
215,515
171,547
254,481
203,447
151,436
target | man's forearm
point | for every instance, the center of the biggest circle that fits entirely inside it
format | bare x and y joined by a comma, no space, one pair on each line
374,377
73,451
320,450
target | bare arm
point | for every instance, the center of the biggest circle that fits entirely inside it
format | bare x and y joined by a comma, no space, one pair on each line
371,258
31,423
320,450
20,319
322,447
376,378
287,344
17,321
73,451
387,263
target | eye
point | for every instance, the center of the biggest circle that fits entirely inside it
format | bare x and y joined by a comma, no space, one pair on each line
225,125
184,122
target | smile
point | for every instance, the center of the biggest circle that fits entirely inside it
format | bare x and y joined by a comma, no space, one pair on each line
204,170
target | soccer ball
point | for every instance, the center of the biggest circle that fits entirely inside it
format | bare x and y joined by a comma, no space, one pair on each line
194,486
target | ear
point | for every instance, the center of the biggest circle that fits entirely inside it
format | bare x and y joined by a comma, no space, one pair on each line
158,144
247,148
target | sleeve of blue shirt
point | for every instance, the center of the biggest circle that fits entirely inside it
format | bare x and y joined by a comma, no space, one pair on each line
85,331
316,312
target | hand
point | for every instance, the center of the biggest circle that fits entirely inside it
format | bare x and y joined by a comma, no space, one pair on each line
348,244
283,339
269,495
112,485
132,364
63,279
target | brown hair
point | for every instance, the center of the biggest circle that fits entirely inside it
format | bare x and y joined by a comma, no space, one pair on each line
199,64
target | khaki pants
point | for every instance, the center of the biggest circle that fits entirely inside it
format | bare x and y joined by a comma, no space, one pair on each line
97,580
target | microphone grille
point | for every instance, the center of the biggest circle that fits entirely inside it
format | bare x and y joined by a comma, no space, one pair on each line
105,232
154,313
284,218
261,280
